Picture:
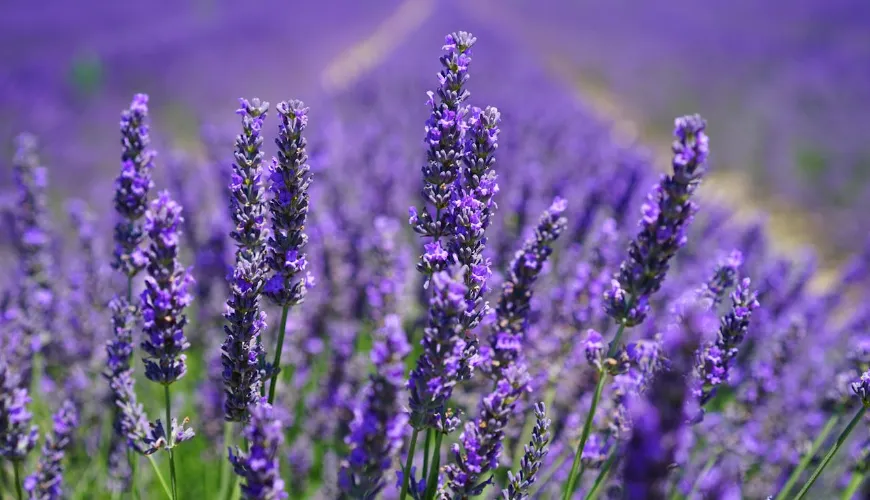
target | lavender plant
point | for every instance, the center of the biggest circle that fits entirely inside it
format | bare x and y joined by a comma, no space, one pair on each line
380,374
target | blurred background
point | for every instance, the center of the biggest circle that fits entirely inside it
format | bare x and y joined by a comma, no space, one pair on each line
785,87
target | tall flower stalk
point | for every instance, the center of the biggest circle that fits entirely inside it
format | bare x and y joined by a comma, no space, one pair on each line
242,353
290,178
37,295
166,296
46,483
432,381
666,216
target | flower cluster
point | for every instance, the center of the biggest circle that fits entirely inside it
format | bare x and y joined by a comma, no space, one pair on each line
258,466
379,425
667,213
166,295
242,349
132,187
46,484
290,177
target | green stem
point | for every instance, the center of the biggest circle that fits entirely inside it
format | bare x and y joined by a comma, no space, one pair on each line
160,476
225,462
841,439
282,329
426,450
571,483
432,482
130,461
854,484
808,457
707,466
170,445
602,475
406,473
16,466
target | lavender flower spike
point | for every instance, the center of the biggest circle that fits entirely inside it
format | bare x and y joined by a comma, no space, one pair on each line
444,138
131,423
259,465
45,484
474,207
512,311
242,350
132,187
480,444
445,360
17,436
379,424
667,213
290,178
166,294
31,231
535,452
715,360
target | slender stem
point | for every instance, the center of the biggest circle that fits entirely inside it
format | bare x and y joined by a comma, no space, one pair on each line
282,329
854,484
4,479
16,466
225,463
432,482
707,466
808,457
602,475
171,444
426,450
406,473
133,486
160,476
833,451
584,436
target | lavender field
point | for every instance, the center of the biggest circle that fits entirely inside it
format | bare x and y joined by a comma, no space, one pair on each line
400,250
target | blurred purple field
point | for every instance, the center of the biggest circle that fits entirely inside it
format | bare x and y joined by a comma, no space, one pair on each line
787,85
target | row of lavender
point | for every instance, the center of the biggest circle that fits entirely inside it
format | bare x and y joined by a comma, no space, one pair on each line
657,364
786,88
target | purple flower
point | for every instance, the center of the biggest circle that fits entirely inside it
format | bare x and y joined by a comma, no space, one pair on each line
480,444
473,207
535,452
716,358
290,178
131,423
445,360
667,214
132,187
166,294
242,349
724,277
379,424
445,130
862,388
259,467
45,483
17,435
512,311
30,223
